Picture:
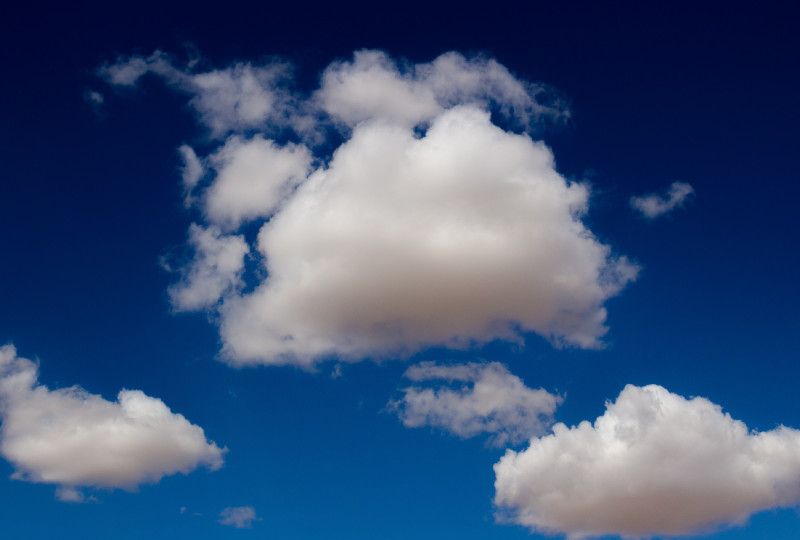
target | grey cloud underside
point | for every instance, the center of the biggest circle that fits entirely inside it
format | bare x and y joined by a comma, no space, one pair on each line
428,225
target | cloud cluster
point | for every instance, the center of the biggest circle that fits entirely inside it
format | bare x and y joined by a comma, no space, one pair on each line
71,438
239,517
653,205
428,225
486,398
654,463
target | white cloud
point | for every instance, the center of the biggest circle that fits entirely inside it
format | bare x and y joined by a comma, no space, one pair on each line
428,225
654,463
71,438
373,86
489,399
241,97
253,177
240,517
215,270
192,171
652,206
465,235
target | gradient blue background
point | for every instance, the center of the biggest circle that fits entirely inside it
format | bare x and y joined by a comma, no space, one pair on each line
90,201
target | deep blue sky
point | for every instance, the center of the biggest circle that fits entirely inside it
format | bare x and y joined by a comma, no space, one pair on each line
89,203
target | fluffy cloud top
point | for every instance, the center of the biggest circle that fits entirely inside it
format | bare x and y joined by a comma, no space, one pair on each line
372,85
652,206
427,225
654,463
487,399
239,517
72,438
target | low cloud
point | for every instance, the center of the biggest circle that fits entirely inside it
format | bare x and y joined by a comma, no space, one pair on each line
239,517
653,205
71,438
654,464
474,399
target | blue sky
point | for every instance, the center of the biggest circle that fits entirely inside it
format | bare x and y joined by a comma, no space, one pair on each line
93,208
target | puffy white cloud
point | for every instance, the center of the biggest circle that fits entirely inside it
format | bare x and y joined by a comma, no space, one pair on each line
214,271
372,86
654,463
652,206
488,399
240,517
424,224
253,177
240,97
72,438
465,235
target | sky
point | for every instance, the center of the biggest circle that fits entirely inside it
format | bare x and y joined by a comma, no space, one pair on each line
523,271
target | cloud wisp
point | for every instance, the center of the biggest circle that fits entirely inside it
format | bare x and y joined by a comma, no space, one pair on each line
74,439
238,517
654,464
654,205
474,399
431,218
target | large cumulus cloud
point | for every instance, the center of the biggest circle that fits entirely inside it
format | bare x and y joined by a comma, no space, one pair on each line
428,225
72,438
465,235
654,463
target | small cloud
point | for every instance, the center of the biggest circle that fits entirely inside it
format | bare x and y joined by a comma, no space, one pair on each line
94,97
71,495
73,439
484,399
654,205
336,372
239,517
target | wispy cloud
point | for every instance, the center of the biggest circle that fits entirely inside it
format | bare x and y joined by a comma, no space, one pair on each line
239,517
654,205
473,399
